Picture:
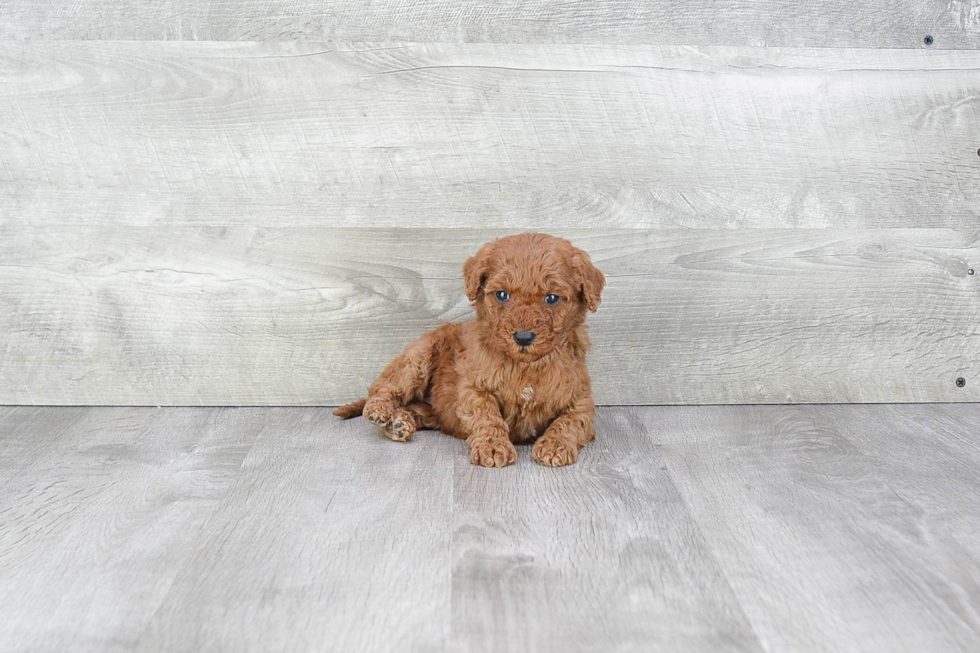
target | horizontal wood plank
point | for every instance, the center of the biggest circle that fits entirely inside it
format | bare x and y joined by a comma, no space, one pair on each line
487,135
818,23
235,315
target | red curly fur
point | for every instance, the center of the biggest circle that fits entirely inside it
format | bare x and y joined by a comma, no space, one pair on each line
474,381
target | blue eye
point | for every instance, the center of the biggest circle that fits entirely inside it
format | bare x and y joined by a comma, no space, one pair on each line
552,300
502,296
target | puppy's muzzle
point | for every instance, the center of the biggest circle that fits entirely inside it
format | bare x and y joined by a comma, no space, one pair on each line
524,338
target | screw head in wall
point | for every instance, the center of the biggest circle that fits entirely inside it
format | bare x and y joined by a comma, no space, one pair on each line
960,382
971,272
927,40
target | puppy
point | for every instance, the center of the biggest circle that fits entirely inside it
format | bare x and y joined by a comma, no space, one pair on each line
514,374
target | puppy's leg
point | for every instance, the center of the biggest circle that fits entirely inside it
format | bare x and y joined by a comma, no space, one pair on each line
488,437
402,426
405,380
407,419
571,430
424,414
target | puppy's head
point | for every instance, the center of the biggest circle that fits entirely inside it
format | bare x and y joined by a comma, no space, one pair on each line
531,291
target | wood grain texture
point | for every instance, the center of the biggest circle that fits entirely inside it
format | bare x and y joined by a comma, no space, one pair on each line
249,223
329,540
609,540
242,316
503,136
821,23
725,528
99,510
791,507
925,457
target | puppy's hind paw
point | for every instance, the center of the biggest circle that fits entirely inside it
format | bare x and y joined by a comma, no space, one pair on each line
379,411
401,428
554,452
493,453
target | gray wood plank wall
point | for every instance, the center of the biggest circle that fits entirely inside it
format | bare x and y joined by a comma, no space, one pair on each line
756,23
255,219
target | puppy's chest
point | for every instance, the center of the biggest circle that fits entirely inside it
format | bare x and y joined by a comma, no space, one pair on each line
528,407
525,401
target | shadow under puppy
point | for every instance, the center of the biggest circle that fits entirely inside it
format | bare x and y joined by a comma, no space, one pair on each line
514,374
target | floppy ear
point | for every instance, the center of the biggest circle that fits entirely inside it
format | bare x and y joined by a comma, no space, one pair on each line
590,279
475,271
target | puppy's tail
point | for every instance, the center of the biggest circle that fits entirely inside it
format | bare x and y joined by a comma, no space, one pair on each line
352,409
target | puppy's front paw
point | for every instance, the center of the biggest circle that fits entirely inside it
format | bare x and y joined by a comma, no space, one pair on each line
379,411
402,426
554,452
493,452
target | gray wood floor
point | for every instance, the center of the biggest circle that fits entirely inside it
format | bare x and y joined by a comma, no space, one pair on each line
777,528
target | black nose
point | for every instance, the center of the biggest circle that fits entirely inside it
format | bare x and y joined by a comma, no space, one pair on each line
524,338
